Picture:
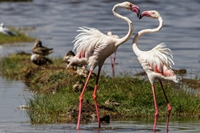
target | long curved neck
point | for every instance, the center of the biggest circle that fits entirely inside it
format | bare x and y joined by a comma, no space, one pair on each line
128,35
142,32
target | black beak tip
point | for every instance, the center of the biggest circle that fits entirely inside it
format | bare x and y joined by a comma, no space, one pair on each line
139,15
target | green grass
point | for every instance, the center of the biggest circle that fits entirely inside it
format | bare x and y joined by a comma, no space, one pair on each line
55,97
21,37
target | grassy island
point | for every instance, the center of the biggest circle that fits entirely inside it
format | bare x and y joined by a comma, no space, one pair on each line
21,37
55,101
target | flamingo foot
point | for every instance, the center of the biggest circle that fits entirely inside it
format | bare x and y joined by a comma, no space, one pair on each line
79,113
155,120
169,111
95,101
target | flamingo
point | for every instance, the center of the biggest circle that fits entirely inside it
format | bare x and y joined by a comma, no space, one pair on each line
157,62
93,47
109,33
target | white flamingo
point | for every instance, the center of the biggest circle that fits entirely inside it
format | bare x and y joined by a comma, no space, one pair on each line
156,62
93,47
109,33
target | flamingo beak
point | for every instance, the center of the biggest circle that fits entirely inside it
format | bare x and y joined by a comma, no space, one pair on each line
138,14
144,13
135,9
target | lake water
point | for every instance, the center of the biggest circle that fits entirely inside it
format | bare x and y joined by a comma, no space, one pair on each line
55,24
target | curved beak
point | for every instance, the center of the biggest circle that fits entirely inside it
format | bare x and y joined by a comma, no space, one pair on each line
135,9
144,13
138,14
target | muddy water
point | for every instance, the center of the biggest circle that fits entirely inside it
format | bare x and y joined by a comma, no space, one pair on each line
55,23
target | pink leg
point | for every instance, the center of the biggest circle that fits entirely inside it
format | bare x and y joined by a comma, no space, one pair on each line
113,64
94,97
81,99
168,105
156,107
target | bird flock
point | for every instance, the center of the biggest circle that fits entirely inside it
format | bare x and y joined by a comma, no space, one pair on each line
93,47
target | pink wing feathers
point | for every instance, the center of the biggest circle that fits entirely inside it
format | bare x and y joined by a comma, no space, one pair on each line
158,60
86,43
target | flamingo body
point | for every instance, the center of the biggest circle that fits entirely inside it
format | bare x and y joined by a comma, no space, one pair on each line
157,62
93,47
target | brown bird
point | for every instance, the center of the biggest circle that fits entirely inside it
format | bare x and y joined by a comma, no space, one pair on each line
40,60
41,50
68,56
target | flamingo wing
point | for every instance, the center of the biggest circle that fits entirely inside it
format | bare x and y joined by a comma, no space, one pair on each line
88,42
158,60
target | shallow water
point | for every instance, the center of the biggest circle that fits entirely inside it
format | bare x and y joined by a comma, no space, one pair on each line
55,23
12,120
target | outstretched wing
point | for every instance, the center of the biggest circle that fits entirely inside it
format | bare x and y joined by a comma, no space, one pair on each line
86,41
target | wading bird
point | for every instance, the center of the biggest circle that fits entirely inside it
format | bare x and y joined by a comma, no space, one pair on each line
6,31
156,63
41,50
93,47
114,57
68,56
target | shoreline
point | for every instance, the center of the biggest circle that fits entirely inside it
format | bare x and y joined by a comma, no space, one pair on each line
55,100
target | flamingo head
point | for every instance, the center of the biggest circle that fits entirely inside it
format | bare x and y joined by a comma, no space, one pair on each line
152,14
131,7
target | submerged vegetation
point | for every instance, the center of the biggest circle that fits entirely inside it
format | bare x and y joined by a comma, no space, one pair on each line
55,101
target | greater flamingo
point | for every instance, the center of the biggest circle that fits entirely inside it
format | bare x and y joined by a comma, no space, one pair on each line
109,33
93,47
156,62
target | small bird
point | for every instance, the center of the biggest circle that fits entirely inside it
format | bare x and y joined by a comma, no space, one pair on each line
109,33
70,54
6,31
156,62
40,60
41,50
93,47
